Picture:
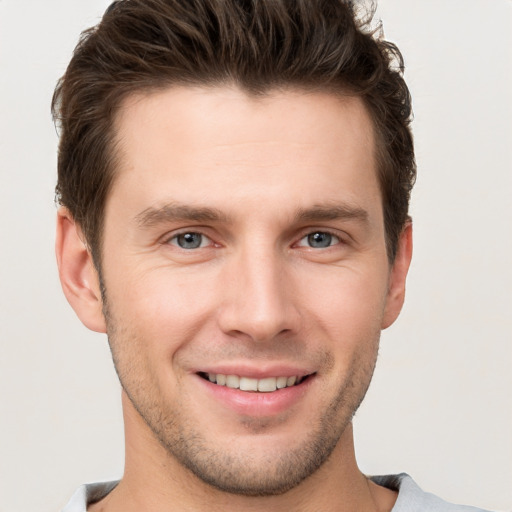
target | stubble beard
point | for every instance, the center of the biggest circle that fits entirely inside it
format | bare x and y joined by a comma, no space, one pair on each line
239,473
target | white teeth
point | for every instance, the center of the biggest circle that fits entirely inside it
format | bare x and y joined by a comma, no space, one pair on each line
281,382
233,381
266,385
247,384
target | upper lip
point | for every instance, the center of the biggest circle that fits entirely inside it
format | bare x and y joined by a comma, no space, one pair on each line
257,372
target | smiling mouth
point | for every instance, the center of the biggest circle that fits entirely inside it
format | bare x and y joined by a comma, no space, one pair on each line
265,385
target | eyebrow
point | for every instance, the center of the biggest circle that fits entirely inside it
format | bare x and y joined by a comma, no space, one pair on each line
332,212
178,212
173,212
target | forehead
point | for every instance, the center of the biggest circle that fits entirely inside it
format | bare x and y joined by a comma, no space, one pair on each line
229,115
215,144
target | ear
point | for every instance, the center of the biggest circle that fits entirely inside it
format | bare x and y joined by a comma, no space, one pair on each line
397,277
78,276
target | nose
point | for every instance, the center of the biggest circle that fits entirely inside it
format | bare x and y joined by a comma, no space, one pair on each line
258,297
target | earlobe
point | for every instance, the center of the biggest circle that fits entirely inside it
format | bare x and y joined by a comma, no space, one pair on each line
397,278
78,276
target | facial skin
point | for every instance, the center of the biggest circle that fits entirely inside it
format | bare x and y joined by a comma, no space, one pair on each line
242,237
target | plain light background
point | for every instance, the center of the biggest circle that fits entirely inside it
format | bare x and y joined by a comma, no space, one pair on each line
440,406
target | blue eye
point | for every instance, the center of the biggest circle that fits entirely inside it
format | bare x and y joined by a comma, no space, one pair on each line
319,240
190,240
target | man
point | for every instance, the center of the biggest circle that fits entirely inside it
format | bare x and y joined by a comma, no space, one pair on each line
234,180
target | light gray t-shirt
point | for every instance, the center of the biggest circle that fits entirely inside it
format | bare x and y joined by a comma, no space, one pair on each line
410,497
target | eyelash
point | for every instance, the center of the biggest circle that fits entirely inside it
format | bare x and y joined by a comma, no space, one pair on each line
327,232
184,233
173,240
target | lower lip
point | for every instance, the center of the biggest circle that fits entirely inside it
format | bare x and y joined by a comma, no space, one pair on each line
250,403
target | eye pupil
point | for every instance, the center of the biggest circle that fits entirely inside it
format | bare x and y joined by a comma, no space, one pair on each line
189,240
320,239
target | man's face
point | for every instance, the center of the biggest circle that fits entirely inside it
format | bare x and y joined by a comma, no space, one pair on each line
243,247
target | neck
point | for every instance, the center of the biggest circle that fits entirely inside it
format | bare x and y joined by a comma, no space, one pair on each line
155,482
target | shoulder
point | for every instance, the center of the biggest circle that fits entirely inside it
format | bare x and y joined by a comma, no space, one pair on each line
412,499
87,494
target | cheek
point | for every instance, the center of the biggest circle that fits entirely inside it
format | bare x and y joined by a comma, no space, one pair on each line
168,308
147,326
162,307
348,305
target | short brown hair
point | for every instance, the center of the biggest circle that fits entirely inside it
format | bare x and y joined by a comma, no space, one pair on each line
259,45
